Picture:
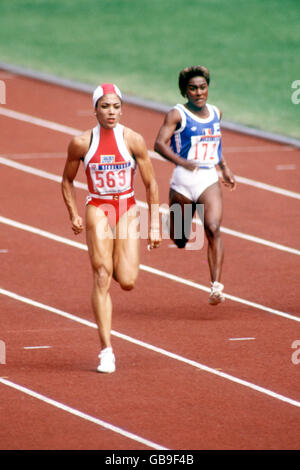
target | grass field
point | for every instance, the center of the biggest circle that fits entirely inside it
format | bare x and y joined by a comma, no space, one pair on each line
252,48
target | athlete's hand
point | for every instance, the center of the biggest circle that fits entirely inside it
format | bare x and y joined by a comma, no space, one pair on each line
228,178
189,165
77,225
154,239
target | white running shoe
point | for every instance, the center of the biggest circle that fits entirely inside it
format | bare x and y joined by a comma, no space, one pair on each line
107,361
216,294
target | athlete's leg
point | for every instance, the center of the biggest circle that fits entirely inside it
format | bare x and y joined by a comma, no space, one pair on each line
213,210
182,210
126,255
100,246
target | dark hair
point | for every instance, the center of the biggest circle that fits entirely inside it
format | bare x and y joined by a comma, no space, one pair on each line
186,74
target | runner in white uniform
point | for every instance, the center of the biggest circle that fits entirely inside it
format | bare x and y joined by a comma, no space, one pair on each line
198,140
190,137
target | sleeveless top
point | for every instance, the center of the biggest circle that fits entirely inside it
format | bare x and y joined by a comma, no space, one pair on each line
108,164
198,139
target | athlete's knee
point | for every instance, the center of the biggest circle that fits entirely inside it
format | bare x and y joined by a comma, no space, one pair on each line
212,229
126,280
102,277
127,283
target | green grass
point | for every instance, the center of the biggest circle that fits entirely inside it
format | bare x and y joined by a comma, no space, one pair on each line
252,48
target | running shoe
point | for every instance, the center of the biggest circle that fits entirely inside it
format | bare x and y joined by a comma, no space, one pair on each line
216,294
107,361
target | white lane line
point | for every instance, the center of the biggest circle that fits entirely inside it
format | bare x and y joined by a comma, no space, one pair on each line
260,241
161,351
39,122
71,131
31,156
267,187
240,339
82,415
37,347
288,167
186,282
57,179
149,269
42,233
251,182
235,233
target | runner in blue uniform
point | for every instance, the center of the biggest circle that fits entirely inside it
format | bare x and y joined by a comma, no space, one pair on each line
190,137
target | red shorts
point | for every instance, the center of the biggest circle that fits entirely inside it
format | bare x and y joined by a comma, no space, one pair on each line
112,208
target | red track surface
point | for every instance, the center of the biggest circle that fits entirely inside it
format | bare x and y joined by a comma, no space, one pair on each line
172,403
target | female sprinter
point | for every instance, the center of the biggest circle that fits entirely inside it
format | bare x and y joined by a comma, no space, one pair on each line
193,131
110,153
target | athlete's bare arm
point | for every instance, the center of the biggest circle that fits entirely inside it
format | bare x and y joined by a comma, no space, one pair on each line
77,149
172,120
137,146
227,175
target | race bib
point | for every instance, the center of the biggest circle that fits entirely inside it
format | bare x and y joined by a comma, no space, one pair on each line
204,151
115,178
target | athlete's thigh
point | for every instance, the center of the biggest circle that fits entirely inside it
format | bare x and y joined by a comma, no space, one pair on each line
126,256
182,211
212,200
99,239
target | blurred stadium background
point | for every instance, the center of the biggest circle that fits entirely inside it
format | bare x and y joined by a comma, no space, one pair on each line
251,48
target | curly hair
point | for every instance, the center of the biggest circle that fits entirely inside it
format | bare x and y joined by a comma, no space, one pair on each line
186,74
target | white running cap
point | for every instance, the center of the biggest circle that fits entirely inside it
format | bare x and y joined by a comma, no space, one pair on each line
104,89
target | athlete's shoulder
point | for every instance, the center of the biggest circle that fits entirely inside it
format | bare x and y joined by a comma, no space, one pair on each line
132,135
217,110
174,115
79,144
134,140
82,139
177,110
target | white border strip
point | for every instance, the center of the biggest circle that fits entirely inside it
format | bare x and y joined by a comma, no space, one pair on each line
81,415
149,269
57,179
161,351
